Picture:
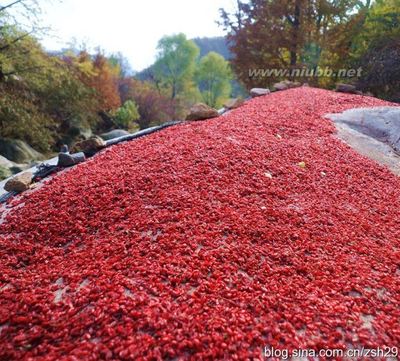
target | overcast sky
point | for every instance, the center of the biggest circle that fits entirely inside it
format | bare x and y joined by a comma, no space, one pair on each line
132,27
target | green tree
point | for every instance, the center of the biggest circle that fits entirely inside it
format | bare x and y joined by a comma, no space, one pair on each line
382,21
25,111
126,114
376,48
12,14
41,96
175,65
214,78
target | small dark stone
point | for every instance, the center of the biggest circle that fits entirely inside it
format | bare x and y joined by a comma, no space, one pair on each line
64,149
68,160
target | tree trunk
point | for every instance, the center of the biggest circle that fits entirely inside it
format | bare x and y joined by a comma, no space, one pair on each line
173,95
293,58
295,32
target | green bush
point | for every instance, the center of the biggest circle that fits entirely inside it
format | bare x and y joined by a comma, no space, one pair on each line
126,115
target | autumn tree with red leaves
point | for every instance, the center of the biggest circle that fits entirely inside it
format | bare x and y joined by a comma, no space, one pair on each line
288,34
99,74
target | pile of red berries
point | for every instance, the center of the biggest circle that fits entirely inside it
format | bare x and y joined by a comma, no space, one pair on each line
208,240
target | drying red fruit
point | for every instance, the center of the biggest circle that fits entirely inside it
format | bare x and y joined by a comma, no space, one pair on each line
177,245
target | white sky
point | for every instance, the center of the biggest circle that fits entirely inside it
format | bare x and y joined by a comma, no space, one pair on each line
132,27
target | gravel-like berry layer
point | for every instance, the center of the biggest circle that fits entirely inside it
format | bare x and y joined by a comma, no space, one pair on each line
208,240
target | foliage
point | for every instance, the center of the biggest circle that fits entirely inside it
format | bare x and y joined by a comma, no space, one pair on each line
153,107
175,65
126,114
213,77
381,69
217,44
21,118
382,21
99,74
46,100
288,34
376,48
39,95
49,100
120,62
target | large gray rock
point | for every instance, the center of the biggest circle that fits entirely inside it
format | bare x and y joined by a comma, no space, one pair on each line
68,160
202,111
380,123
280,86
116,133
346,88
286,84
18,151
19,183
258,92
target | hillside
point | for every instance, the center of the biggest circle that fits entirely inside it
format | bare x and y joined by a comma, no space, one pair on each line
217,44
255,230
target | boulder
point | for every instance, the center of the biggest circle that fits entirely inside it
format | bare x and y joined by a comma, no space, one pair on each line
91,145
292,84
68,160
19,183
18,151
346,88
380,123
202,111
286,84
281,86
116,133
233,103
258,92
